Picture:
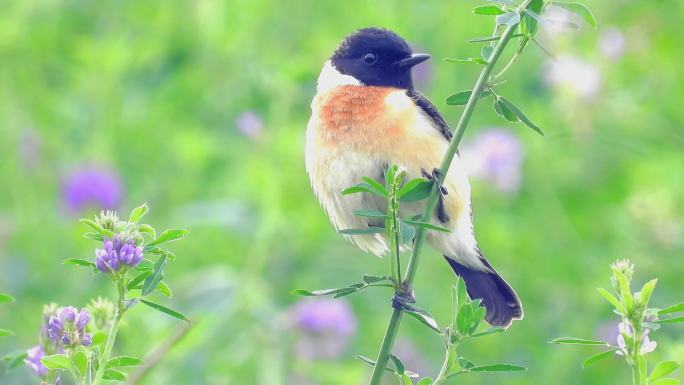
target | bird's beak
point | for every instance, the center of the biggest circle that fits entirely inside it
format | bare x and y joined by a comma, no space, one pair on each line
412,60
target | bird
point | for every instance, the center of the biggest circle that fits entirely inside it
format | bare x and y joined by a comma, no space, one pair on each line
365,116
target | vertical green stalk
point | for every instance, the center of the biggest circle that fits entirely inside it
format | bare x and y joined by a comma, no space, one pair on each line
431,204
111,337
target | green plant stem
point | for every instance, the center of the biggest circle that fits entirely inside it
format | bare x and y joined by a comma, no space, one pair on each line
431,204
111,337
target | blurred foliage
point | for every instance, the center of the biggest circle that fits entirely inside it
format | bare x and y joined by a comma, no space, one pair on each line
154,89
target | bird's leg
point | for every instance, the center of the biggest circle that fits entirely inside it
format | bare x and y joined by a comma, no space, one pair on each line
403,298
435,177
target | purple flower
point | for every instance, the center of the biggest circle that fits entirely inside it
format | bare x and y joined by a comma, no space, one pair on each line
68,327
495,156
325,327
92,187
33,360
627,333
612,43
250,124
117,253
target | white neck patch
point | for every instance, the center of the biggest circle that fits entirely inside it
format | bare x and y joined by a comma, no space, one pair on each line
330,78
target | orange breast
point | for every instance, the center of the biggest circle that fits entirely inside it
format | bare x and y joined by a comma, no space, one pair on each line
360,116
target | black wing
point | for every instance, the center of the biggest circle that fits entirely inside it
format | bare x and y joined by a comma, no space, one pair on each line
431,111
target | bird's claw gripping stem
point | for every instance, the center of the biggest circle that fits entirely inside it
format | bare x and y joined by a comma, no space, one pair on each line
403,299
435,177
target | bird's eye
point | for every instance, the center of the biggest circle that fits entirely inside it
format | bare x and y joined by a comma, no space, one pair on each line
370,58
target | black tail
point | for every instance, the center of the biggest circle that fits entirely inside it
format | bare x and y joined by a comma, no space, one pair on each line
502,304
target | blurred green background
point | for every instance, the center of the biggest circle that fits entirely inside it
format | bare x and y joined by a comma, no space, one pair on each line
199,108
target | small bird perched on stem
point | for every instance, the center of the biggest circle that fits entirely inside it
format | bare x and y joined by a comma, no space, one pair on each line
366,116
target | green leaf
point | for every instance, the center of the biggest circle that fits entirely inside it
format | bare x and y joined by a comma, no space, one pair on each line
369,230
577,341
671,309
407,232
363,187
168,236
461,98
318,293
369,279
502,110
135,282
425,318
611,298
345,292
138,213
78,262
166,310
597,357
580,9
113,374
365,359
498,368
486,52
390,174
663,369
6,298
6,333
647,291
400,369
57,361
370,213
488,10
426,225
145,265
164,289
147,229
425,381
532,19
675,320
520,115
471,60
157,275
81,361
99,338
376,185
15,359
665,381
97,228
415,190
123,361
94,236
510,18
491,330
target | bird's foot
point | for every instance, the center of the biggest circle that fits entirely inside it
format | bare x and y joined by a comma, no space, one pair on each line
435,177
403,299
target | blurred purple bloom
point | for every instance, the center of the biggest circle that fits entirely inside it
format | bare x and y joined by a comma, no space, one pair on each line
117,253
250,124
495,156
59,380
68,327
92,187
325,326
33,360
612,43
577,77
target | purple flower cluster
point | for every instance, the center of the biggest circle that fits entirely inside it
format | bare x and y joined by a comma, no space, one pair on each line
68,327
626,332
33,357
116,254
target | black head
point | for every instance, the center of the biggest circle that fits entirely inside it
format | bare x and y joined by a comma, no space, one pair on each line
377,57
